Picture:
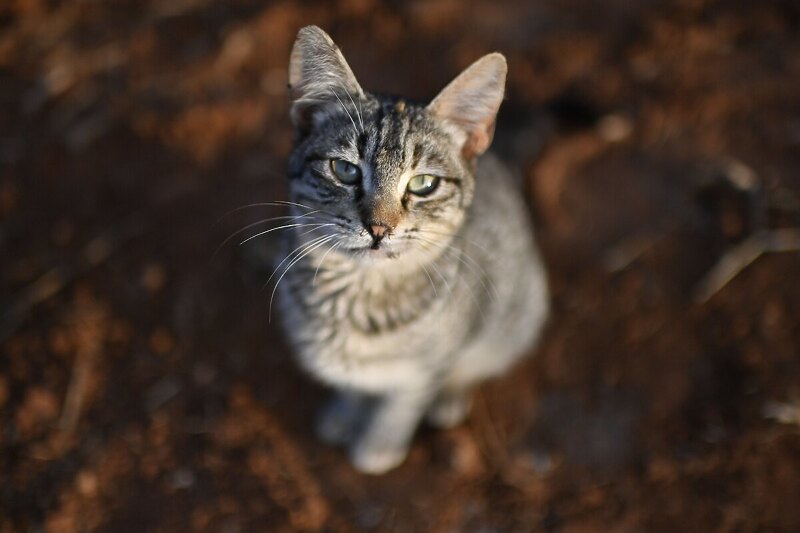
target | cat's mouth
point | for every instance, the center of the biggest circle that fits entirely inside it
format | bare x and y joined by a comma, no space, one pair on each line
375,250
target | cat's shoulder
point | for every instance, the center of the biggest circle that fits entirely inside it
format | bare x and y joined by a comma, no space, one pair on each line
492,170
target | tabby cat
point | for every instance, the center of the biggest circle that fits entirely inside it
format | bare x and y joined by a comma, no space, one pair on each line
411,271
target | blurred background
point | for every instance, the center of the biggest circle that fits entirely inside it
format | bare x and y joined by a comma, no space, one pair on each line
142,387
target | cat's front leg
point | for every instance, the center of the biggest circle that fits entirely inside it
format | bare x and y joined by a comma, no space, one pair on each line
384,442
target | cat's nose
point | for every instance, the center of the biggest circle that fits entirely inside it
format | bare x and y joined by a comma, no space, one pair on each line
377,231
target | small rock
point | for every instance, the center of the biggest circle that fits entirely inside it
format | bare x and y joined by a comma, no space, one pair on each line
784,413
203,373
160,393
465,457
40,407
154,277
161,341
183,478
742,176
370,515
614,128
86,483
86,131
540,461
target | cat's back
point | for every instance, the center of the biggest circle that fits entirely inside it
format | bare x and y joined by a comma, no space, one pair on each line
499,238
499,218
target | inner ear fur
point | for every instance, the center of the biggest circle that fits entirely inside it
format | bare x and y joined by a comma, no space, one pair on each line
318,73
471,101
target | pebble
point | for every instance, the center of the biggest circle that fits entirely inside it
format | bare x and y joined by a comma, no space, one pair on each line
614,128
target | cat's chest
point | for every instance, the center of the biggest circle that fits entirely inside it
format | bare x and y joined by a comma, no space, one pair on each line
372,331
349,304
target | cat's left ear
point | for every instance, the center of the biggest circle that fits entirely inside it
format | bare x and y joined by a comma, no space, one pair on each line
318,74
471,101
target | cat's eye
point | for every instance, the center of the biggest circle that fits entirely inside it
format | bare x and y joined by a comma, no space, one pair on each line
347,173
423,184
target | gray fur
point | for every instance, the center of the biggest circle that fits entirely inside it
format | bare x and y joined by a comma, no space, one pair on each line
454,293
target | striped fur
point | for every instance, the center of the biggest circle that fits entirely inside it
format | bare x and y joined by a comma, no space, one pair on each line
454,293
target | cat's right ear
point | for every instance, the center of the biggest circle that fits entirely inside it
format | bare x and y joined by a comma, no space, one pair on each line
471,101
318,75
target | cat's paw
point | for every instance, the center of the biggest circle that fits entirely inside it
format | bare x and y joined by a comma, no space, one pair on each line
377,460
338,422
448,411
333,430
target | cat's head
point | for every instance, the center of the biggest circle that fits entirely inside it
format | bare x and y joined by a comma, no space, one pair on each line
382,176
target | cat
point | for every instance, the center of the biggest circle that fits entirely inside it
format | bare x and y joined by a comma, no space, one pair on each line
411,272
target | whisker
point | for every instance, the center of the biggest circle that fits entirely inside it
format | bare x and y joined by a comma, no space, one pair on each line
482,275
263,221
433,286
358,112
305,252
285,226
314,229
444,279
491,290
335,245
288,257
470,290
455,236
361,114
296,204
458,254
277,203
346,111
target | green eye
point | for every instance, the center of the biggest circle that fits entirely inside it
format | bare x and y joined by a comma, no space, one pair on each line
423,184
346,172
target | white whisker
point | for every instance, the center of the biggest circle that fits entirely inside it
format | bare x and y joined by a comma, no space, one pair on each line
358,112
444,279
277,203
263,221
491,290
433,286
285,226
469,288
314,229
456,236
307,251
289,256
335,245
355,128
482,275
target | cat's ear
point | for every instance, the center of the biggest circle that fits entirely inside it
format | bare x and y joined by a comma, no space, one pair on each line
318,74
470,102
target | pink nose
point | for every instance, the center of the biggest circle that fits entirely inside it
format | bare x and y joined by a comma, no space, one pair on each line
377,231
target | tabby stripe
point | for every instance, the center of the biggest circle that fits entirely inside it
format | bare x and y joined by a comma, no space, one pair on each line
417,155
312,158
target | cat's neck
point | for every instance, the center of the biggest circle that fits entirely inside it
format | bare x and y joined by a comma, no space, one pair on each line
377,273
378,294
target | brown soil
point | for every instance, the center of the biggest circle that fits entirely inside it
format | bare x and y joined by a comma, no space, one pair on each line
143,388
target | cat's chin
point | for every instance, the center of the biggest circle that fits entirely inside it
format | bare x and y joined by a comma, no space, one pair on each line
371,255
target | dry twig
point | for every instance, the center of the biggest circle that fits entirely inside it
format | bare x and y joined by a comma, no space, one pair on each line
740,256
88,327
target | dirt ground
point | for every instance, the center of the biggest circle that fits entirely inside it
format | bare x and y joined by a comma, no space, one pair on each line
142,387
